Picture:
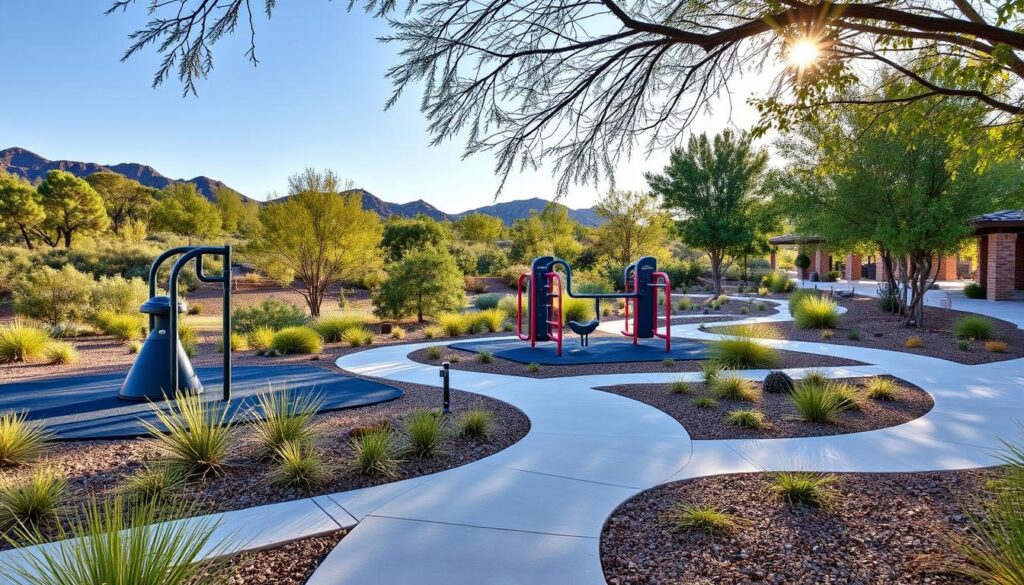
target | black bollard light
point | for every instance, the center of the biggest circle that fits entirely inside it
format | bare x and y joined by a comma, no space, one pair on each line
445,370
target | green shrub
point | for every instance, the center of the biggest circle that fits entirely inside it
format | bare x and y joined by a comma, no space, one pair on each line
119,295
273,313
816,312
488,319
239,343
425,432
509,304
798,297
54,296
375,454
105,544
299,466
454,324
195,433
974,290
755,330
849,398
134,346
580,310
963,345
747,419
475,424
488,301
61,352
680,387
685,304
816,404
30,503
533,367
974,327
434,352
815,378
284,416
853,335
668,362
260,339
332,329
705,402
432,331
153,483
802,489
22,343
734,387
777,282
357,337
744,352
296,340
454,358
123,326
485,357
706,519
21,440
879,388
189,338
711,369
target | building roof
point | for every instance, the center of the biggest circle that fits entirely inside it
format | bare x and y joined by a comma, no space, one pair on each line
1006,218
795,239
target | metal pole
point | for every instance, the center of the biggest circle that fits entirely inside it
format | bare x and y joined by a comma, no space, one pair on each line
445,370
226,274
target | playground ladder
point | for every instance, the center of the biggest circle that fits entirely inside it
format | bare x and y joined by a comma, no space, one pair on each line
554,316
630,329
661,280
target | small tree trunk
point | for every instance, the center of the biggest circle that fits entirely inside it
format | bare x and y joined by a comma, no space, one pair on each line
28,240
716,271
67,239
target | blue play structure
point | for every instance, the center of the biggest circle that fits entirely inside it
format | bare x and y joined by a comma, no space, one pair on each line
543,288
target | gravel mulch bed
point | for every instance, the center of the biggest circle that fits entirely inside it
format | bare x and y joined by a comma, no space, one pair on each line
291,564
467,360
875,528
880,330
709,423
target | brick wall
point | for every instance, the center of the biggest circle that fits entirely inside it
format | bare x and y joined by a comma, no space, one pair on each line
1001,270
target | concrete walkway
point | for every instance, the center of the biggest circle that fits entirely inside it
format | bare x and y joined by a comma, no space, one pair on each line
533,513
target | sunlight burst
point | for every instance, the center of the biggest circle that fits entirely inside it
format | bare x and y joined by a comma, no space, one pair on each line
803,52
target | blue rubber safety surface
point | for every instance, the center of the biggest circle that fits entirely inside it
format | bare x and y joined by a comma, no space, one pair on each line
602,350
87,407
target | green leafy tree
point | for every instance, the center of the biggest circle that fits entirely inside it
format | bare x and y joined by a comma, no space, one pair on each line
425,282
71,206
180,209
238,216
634,225
402,235
479,228
550,232
55,297
714,187
20,206
318,238
125,199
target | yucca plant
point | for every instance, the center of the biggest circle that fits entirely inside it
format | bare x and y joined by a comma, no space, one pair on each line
475,424
375,454
801,488
196,433
879,388
747,419
153,484
300,466
30,503
744,352
22,343
284,417
707,519
21,441
116,544
734,387
425,432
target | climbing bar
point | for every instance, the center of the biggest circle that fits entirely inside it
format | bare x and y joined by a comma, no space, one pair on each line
519,310
660,280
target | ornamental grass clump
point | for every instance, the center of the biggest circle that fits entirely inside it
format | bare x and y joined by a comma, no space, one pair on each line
705,402
755,330
475,424
680,387
22,343
995,346
707,519
777,282
153,483
711,369
299,466
747,419
195,433
238,343
332,329
485,357
816,312
298,340
123,326
974,327
284,417
879,388
744,352
734,387
453,324
397,332
21,440
357,336
34,501
803,489
425,433
489,320
434,352
375,454
816,403
61,352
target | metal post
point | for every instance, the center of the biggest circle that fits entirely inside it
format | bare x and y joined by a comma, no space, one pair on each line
226,274
444,373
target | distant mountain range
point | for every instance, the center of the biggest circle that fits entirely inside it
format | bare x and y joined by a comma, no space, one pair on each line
33,167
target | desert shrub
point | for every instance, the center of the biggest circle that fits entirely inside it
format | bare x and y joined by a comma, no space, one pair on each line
680,387
260,339
816,312
119,295
879,388
668,362
103,544
913,342
744,352
777,282
827,333
375,454
974,327
133,347
974,290
706,519
195,433
272,313
425,432
195,309
533,367
995,346
332,329
831,276
284,416
61,352
433,331
711,369
475,424
299,466
435,352
30,503
734,387
778,382
853,335
510,304
510,275
454,358
21,440
964,345
581,310
756,330
489,320
801,488
705,402
54,296
488,301
816,403
485,357
298,339
747,419
797,297
454,324
397,332
685,304
238,343
123,326
153,483
22,343
189,338
357,336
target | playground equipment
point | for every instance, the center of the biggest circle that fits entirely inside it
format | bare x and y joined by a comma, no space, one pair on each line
544,292
162,367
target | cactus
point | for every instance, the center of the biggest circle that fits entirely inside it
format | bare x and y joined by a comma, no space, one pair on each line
778,382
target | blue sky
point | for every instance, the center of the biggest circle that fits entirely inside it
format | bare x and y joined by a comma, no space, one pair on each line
316,99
